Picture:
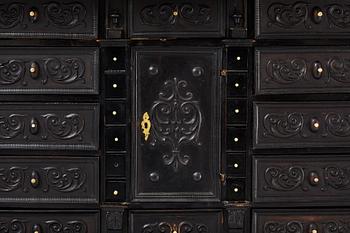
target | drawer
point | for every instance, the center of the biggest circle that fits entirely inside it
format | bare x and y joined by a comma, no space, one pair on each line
236,165
115,113
176,221
115,139
237,59
49,19
236,139
115,191
114,58
302,19
51,126
49,221
48,70
301,221
115,165
236,111
291,70
301,124
235,189
116,86
301,179
237,85
50,180
175,18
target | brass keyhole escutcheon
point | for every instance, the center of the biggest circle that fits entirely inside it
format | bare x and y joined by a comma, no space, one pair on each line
146,125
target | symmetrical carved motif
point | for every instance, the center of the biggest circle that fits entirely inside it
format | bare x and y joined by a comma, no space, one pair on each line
286,71
285,227
176,120
59,179
11,15
235,218
114,220
56,226
58,70
170,13
63,127
300,13
284,179
165,227
65,15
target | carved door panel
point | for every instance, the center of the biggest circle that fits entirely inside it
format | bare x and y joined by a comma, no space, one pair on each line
305,19
176,18
177,106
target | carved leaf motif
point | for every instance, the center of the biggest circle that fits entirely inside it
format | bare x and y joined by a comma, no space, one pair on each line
163,14
11,15
280,179
65,181
177,120
64,71
67,127
284,227
13,226
56,226
286,71
11,178
11,72
283,125
337,178
288,15
339,15
339,69
338,125
66,15
11,126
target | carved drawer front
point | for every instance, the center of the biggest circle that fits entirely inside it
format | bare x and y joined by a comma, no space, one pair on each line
301,125
48,19
301,179
50,221
176,134
301,221
46,70
195,221
302,70
196,18
304,19
51,126
49,180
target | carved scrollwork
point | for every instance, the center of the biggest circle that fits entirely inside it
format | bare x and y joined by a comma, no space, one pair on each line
177,120
11,15
339,69
284,227
339,15
11,179
64,71
56,226
11,72
163,14
283,125
67,127
13,226
162,227
288,15
11,126
280,179
336,177
286,71
338,124
65,181
165,227
66,15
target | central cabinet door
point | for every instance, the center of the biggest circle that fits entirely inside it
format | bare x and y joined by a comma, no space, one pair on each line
176,126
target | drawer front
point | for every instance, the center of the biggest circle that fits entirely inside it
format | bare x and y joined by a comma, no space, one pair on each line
175,221
302,70
49,180
54,126
177,18
301,125
49,70
304,19
48,19
49,221
301,221
301,179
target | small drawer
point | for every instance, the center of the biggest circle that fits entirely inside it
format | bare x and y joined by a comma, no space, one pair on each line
301,220
176,221
236,111
237,59
50,221
237,85
115,113
114,58
115,165
236,139
116,86
115,191
115,138
236,165
235,189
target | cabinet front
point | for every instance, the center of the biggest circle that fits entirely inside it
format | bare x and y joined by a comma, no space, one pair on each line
177,124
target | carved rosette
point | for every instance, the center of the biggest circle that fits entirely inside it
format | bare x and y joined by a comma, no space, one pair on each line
176,120
163,14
